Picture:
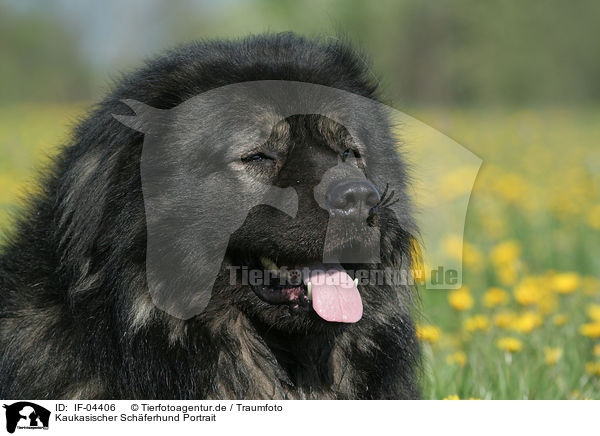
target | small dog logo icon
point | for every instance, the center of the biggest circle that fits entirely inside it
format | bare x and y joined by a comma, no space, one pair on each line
26,415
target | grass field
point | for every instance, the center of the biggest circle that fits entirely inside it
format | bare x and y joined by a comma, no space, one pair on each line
526,324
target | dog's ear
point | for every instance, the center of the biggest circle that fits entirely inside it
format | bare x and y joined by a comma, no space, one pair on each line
146,119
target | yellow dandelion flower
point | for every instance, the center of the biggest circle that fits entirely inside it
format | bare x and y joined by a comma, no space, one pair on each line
461,299
494,297
596,350
459,358
509,344
473,398
566,283
591,330
511,187
548,303
505,252
593,311
528,291
453,246
457,182
472,257
476,323
452,397
593,368
507,274
560,319
456,248
504,319
429,333
526,322
552,355
420,273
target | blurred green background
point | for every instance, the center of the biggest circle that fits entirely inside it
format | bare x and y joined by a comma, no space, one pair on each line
515,82
464,52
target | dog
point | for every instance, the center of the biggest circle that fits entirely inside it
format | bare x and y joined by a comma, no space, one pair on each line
129,275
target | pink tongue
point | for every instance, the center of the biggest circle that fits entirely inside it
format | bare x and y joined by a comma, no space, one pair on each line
335,297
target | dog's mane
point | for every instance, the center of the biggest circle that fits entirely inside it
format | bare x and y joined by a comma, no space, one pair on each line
76,319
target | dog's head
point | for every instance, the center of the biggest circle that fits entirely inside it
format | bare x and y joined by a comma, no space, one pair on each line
288,187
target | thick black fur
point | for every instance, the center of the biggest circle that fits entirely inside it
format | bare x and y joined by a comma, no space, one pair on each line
76,320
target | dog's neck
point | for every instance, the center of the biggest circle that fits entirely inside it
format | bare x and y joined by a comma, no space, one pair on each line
294,368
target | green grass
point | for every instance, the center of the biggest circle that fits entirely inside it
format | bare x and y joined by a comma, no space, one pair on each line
554,220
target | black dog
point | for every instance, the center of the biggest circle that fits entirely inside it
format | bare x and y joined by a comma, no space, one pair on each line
77,315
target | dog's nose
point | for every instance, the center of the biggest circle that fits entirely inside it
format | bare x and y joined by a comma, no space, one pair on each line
352,198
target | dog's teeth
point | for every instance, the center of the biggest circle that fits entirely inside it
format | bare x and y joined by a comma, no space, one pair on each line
309,289
355,282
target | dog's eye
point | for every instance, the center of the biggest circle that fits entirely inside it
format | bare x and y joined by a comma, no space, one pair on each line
347,152
258,157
